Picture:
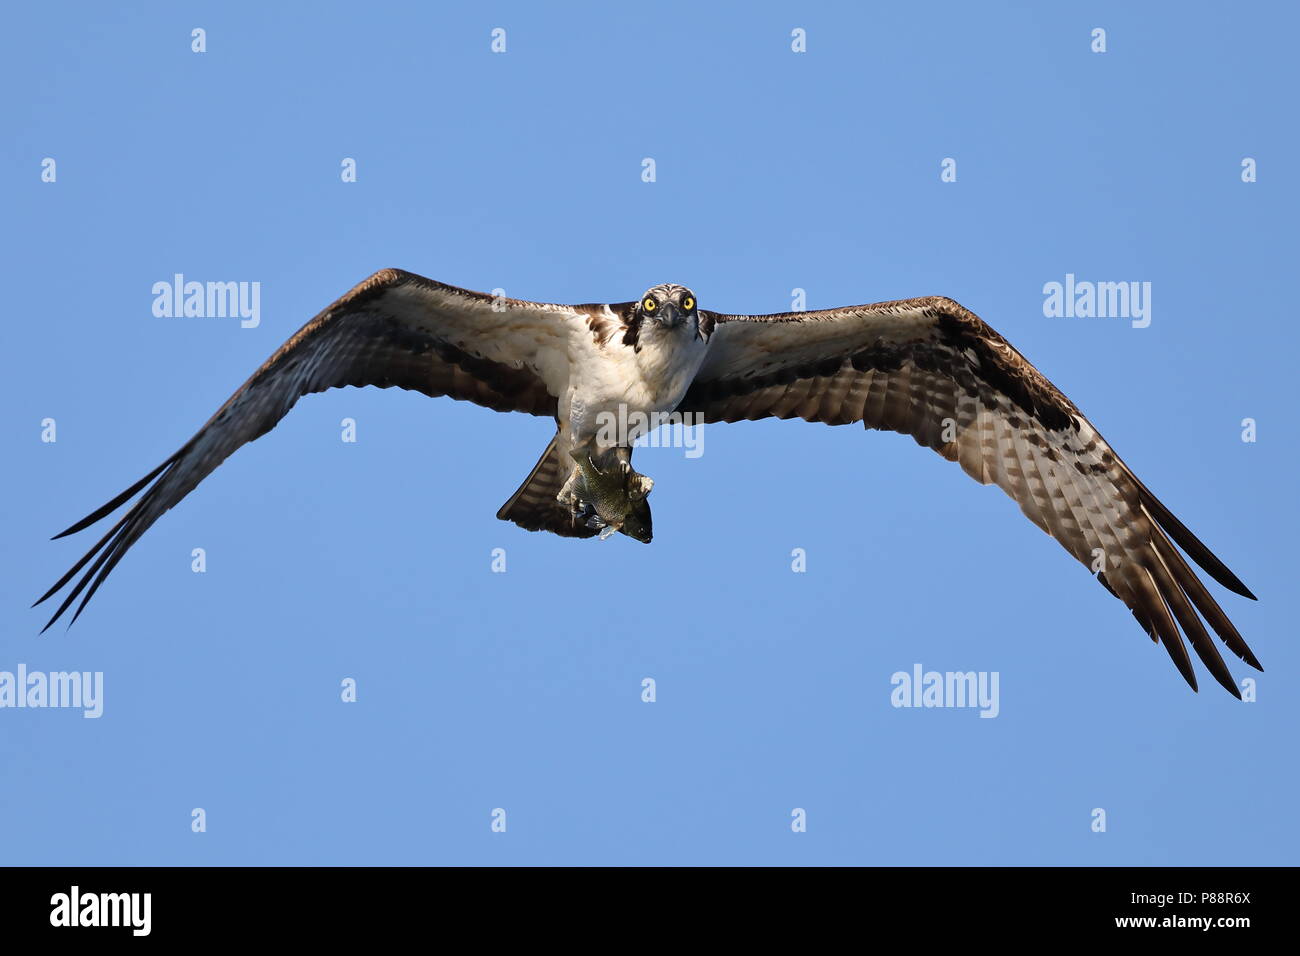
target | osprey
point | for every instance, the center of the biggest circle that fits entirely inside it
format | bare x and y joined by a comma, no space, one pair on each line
925,367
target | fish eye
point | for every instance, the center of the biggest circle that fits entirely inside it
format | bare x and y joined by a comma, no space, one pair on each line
649,304
688,303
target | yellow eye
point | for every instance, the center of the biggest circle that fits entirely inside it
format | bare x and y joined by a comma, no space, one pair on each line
649,304
688,303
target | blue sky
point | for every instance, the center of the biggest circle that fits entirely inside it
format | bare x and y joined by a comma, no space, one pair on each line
371,560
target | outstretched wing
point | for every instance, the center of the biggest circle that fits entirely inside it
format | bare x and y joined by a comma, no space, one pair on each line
931,369
395,328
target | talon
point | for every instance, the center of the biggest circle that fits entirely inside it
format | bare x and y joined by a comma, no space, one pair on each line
639,486
568,497
618,457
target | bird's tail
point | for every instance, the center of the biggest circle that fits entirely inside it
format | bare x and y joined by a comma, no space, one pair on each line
534,505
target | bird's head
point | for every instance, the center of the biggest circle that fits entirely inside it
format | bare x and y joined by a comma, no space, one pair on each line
669,306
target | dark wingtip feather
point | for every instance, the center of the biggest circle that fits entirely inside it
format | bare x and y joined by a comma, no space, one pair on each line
1193,545
109,548
1178,654
1161,624
1177,601
71,572
114,554
110,507
1196,591
119,534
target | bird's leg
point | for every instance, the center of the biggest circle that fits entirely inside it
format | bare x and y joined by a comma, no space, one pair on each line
603,489
570,494
637,485
582,510
575,487
622,455
574,494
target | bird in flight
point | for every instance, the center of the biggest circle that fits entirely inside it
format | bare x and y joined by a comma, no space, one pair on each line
924,367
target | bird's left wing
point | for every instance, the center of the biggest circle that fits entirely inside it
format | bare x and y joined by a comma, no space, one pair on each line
932,369
394,329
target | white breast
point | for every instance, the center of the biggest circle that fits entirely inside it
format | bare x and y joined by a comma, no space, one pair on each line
618,379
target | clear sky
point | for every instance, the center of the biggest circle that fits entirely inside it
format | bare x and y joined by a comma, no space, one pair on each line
522,170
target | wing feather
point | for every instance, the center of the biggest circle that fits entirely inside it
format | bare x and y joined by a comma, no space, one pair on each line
395,329
931,369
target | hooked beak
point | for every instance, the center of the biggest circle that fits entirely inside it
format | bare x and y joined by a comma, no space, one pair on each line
670,316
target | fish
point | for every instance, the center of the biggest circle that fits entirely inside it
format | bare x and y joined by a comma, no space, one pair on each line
617,497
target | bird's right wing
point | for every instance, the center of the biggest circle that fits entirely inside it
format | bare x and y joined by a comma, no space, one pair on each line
931,369
395,328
